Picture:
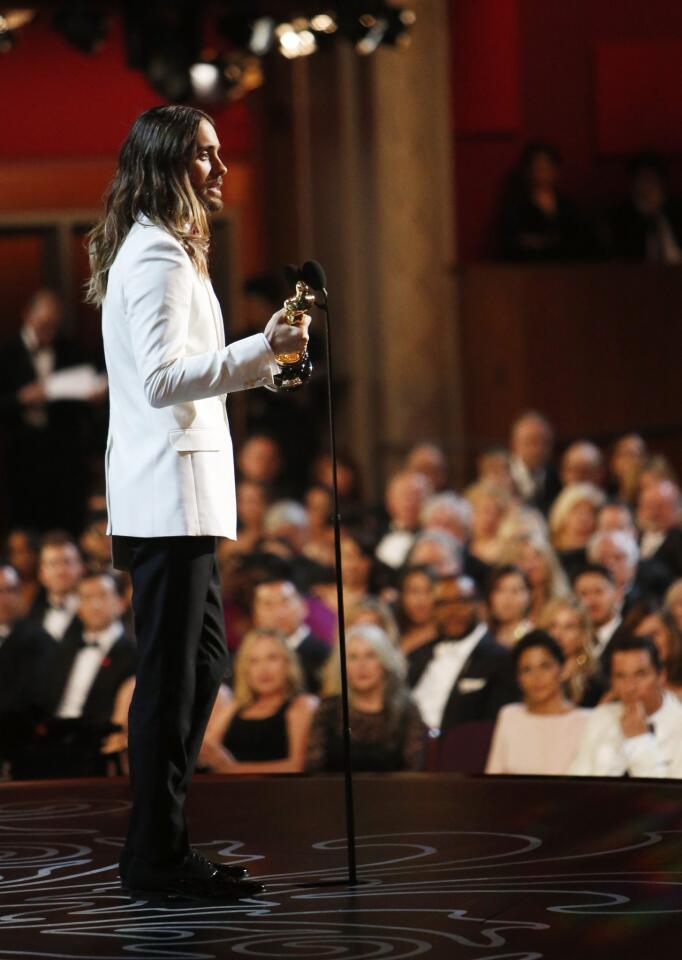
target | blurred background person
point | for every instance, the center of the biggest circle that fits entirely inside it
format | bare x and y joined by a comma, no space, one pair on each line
414,607
572,521
429,459
489,505
406,492
627,461
387,733
536,558
508,599
660,626
566,621
582,462
659,510
60,568
647,225
595,588
538,221
264,727
21,550
535,478
376,612
540,735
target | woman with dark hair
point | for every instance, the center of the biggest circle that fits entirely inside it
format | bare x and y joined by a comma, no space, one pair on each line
538,221
414,609
509,598
387,730
661,627
541,734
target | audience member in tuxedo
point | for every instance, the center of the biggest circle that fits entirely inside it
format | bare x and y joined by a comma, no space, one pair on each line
647,225
535,556
406,492
489,505
595,588
437,549
639,733
84,676
429,459
660,626
626,463
414,608
60,568
278,606
572,521
21,550
95,542
264,727
508,599
387,733
659,512
47,441
463,675
582,462
447,511
538,221
535,478
540,735
375,612
25,650
567,622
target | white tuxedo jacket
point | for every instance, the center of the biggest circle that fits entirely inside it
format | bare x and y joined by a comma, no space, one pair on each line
169,463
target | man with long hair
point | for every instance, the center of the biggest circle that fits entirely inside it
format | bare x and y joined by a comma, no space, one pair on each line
169,467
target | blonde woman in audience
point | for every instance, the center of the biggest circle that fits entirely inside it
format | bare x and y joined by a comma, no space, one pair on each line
489,503
264,727
387,729
537,559
572,521
661,627
673,602
522,521
376,612
539,736
414,609
566,621
509,599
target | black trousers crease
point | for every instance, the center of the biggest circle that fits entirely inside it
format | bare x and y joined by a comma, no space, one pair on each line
182,658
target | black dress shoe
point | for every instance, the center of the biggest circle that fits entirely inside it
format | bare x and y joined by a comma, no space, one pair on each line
224,870
195,878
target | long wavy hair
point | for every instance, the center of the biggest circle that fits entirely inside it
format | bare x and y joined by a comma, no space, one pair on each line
244,695
152,178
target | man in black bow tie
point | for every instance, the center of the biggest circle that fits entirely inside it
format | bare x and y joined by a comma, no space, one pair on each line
464,675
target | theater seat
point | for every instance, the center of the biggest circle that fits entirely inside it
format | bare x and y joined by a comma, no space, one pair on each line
464,748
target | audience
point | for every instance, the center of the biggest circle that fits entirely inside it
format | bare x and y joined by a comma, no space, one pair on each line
278,606
414,607
377,613
538,561
21,548
566,621
582,462
572,521
541,734
535,479
639,734
509,599
489,504
387,733
595,588
60,568
659,511
628,459
463,675
264,726
647,225
405,495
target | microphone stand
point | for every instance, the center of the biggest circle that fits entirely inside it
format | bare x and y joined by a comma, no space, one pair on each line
348,766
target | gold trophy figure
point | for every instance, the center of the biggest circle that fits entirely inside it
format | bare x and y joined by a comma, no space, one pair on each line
295,367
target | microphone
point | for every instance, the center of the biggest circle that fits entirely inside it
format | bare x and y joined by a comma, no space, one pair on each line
312,273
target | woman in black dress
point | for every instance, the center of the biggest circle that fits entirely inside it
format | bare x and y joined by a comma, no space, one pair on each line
264,726
387,730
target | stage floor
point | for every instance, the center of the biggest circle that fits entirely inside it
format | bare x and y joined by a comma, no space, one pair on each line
449,867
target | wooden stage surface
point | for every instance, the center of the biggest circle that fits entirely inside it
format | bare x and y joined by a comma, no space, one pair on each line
449,867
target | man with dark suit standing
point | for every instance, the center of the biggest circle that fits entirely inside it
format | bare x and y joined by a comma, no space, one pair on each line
170,471
47,440
463,675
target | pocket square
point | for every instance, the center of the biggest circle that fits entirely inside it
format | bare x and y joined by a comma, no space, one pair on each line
471,684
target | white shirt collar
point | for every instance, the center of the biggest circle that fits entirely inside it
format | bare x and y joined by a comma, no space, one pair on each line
295,639
105,639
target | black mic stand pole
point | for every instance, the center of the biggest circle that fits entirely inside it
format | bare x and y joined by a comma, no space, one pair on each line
348,766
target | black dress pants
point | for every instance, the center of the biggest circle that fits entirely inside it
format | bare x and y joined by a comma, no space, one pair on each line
182,659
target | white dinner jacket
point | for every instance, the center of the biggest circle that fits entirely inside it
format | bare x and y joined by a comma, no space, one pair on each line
169,462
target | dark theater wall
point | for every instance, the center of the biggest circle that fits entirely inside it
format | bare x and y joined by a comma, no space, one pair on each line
597,78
